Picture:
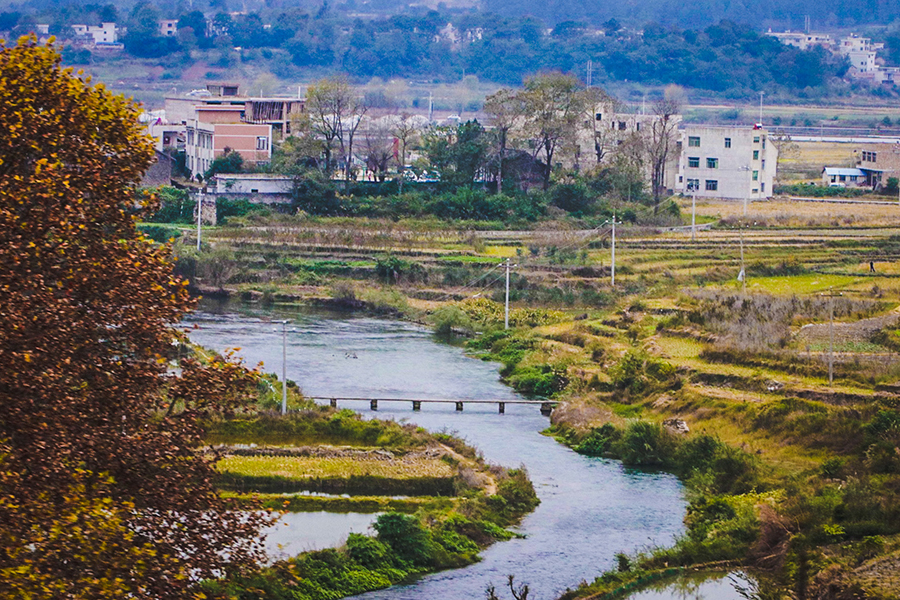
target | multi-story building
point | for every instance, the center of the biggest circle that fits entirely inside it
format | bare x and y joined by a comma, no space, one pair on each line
276,111
106,33
861,52
216,130
736,163
879,162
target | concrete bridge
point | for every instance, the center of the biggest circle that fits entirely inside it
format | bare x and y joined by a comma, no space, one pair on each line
546,406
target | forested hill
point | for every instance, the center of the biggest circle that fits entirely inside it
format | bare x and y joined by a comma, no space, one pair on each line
700,13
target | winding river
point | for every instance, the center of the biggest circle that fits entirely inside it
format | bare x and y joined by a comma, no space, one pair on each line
590,508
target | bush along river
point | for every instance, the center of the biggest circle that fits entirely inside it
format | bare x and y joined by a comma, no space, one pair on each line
591,508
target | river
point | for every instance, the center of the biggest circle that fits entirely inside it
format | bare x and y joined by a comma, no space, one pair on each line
591,508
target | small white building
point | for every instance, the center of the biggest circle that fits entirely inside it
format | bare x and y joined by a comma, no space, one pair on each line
841,177
736,163
168,27
264,188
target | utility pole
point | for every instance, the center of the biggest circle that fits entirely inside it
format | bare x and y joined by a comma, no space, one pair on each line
199,216
590,72
831,295
693,189
284,367
761,94
743,272
613,269
506,313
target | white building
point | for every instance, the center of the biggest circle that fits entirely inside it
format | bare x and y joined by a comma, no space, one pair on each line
734,163
803,41
168,28
257,187
106,33
861,52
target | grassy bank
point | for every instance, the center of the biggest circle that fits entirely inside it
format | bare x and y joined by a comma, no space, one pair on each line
786,471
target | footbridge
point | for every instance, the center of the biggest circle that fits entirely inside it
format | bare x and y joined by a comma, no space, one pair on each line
546,406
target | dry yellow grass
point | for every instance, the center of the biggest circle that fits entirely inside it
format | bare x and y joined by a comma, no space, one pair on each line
803,214
304,467
803,161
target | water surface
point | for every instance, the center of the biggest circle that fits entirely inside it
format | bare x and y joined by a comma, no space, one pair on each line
590,508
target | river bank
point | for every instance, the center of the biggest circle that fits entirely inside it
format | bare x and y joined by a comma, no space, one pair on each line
590,508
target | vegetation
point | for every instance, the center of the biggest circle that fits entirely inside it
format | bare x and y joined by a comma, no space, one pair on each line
100,481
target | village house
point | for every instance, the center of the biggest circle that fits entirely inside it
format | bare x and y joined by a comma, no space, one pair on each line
843,177
879,162
106,33
736,163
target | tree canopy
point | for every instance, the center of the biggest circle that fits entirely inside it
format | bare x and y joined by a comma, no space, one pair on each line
103,493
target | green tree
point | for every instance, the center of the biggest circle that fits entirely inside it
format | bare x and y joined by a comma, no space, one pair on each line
103,493
229,162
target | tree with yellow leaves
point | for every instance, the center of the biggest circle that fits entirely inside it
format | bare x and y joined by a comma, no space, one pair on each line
103,493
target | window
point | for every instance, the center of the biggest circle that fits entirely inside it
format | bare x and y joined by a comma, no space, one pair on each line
680,179
712,163
763,167
599,116
870,156
842,177
693,185
764,143
728,142
694,141
755,191
756,155
755,175
262,143
694,162
637,126
762,187
712,185
622,125
756,139
254,191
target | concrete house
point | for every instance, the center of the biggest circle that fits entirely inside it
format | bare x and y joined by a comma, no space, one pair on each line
879,162
215,129
842,177
735,163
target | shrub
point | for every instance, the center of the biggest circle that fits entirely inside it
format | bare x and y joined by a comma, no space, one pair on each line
406,537
645,444
449,318
367,551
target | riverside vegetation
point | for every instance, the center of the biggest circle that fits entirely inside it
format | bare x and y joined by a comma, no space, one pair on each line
451,505
674,368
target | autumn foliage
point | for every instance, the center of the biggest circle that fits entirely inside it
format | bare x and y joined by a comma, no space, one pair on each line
102,491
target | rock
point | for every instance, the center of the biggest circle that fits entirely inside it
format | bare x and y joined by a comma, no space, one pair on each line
662,401
674,425
774,386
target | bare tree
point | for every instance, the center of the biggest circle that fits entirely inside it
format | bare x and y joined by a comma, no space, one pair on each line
604,134
518,592
379,145
406,129
504,108
335,114
553,106
660,144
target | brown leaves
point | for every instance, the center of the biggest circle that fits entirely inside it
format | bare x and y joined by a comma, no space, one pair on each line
95,474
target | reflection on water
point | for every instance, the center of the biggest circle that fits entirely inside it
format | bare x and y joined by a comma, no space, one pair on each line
590,508
737,585
298,532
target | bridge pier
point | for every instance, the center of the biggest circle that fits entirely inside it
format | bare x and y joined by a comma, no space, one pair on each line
459,406
502,407
373,404
546,408
333,403
417,405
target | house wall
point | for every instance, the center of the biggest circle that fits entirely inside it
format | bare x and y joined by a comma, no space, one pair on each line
745,170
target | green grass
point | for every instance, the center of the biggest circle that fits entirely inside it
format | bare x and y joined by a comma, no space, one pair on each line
798,284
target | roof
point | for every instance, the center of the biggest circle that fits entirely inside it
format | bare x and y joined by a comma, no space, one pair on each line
843,171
